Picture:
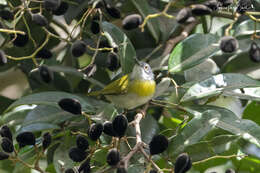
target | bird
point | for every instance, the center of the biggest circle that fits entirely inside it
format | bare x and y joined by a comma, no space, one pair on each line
131,90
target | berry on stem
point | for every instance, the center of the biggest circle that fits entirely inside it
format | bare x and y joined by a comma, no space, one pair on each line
44,54
70,105
120,124
158,144
95,131
108,128
6,132
46,74
131,21
20,39
46,140
113,157
228,44
254,52
85,167
77,154
7,145
39,19
113,62
82,142
183,163
78,48
26,138
62,9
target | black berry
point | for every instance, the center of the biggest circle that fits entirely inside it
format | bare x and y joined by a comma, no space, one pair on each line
113,62
70,105
243,6
7,145
158,144
3,156
51,5
62,9
108,128
26,138
230,171
39,19
78,48
95,29
131,21
183,163
44,54
120,124
77,154
200,10
113,12
46,74
6,15
85,167
212,4
228,44
254,52
183,15
6,132
69,170
20,39
121,170
153,171
113,157
46,140
225,3
82,143
95,131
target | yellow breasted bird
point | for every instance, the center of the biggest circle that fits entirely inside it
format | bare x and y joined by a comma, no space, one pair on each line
131,90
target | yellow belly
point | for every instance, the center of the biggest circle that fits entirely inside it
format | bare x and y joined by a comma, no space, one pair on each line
142,88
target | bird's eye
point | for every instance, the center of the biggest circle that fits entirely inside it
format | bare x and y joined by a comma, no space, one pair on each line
146,67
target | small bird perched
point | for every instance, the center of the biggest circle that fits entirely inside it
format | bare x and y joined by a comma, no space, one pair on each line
131,90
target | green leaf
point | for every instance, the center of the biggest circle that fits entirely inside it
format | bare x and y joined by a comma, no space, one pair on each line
47,114
193,132
75,9
192,51
5,102
240,62
252,112
216,146
126,52
61,156
35,127
217,84
228,121
152,24
52,98
247,28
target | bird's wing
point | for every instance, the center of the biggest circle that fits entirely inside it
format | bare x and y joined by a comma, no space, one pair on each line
118,86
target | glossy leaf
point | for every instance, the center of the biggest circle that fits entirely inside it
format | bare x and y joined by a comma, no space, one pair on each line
217,84
194,131
144,9
192,51
118,39
246,28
